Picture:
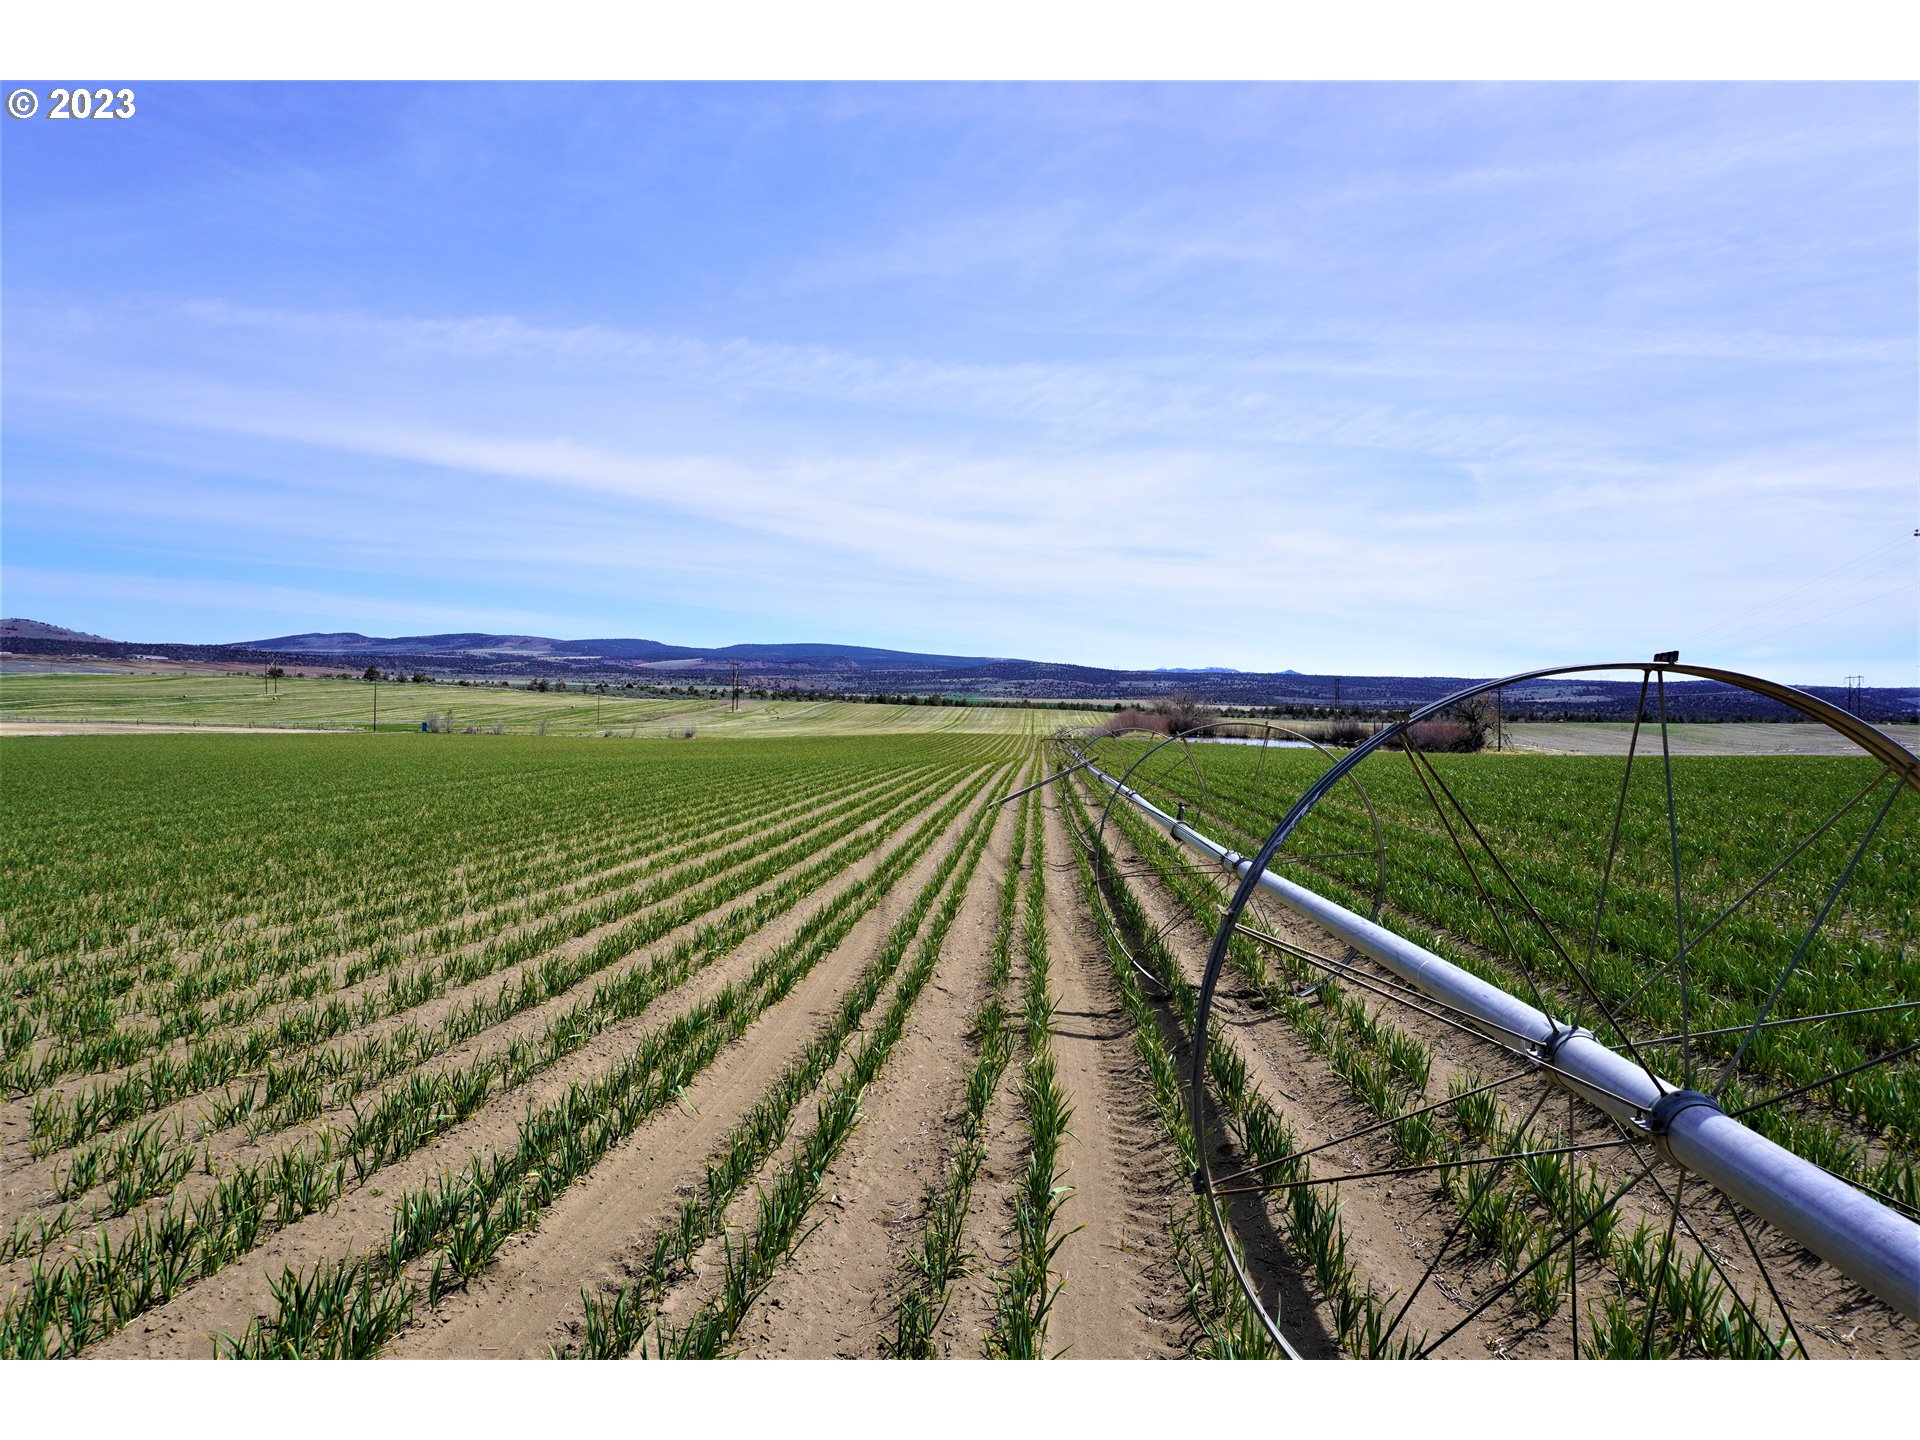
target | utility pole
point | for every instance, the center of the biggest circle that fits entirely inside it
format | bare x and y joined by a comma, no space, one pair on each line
376,707
1853,695
1499,721
1336,692
736,687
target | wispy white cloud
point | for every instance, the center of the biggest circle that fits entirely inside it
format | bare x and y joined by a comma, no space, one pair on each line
1331,379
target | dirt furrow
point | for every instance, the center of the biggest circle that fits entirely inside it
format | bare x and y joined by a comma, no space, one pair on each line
1119,1287
834,1297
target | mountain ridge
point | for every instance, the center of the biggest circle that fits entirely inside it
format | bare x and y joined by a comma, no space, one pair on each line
476,642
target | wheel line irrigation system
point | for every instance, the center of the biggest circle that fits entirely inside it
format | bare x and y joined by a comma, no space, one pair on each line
1868,1242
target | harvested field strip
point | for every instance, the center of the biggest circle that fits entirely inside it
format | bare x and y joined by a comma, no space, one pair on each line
476,1210
203,1236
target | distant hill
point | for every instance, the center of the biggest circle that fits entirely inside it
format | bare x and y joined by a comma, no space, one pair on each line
1198,670
823,671
644,651
22,629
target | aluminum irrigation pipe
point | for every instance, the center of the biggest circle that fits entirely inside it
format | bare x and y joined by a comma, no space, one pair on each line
1864,1240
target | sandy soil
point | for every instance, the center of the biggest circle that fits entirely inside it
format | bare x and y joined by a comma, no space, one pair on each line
1118,1279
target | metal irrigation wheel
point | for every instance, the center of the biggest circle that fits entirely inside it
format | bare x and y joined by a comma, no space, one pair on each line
1743,935
1224,785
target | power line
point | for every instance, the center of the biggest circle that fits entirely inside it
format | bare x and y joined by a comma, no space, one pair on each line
1748,636
1842,610
1733,620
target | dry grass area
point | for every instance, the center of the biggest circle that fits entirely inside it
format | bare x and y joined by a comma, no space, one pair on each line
1730,739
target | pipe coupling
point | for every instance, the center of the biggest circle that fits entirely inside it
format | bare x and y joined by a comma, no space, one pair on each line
1668,1108
1548,1050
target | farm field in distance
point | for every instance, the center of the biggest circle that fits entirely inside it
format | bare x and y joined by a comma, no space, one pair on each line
66,702
522,1046
1732,738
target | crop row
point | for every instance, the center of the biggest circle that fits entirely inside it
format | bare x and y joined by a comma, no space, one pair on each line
942,1256
1027,1286
187,1017
474,1211
196,1237
617,1325
294,1090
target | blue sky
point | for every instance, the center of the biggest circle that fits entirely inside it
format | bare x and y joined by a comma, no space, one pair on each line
1371,378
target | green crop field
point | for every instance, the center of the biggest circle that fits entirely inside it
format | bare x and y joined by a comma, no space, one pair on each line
424,1044
223,701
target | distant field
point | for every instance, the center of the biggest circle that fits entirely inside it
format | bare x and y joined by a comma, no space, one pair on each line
1734,739
55,703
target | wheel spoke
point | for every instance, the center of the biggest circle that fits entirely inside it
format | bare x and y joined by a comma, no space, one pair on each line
1288,857
1553,940
1429,777
1766,1275
1471,1025
1619,813
1807,940
1573,1251
1415,1000
1885,1059
1164,870
1199,781
1795,1020
1453,1231
1733,1289
1700,935
1666,1259
1506,1285
1399,1170
1371,1129
1180,917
